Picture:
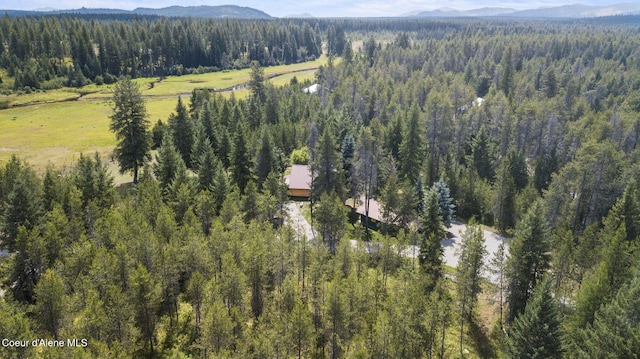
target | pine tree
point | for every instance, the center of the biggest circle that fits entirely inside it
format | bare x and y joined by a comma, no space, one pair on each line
200,144
129,122
505,201
207,166
394,137
390,200
482,156
94,182
183,132
347,151
419,197
447,208
518,169
210,124
28,265
529,259
220,187
537,332
325,166
157,134
145,298
506,80
265,160
432,231
241,165
225,148
545,166
50,302
411,148
256,84
615,332
608,277
330,215
23,207
169,164
468,274
367,167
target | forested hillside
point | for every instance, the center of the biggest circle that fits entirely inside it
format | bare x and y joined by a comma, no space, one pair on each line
531,129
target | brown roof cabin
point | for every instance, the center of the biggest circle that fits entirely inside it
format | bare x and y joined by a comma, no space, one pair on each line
376,213
299,182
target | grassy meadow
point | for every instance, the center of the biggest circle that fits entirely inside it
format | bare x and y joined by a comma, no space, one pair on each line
55,127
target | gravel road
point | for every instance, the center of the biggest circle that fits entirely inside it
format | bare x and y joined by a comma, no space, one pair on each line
491,240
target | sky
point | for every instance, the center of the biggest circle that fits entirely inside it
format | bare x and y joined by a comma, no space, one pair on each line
317,8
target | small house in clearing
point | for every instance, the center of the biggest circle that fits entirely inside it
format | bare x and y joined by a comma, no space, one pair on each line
375,213
299,182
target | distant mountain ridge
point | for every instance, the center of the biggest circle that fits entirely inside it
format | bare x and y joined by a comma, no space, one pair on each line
574,11
204,11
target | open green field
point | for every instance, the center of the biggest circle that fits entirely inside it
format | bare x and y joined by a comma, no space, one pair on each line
55,127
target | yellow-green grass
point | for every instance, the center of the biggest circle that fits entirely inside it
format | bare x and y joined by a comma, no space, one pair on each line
239,94
56,133
172,85
300,76
56,126
175,85
59,95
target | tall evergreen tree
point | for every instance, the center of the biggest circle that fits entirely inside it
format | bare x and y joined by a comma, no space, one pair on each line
241,166
183,131
51,303
545,165
615,332
537,332
528,260
411,148
23,207
367,167
607,278
390,200
419,197
94,182
347,151
505,197
518,169
28,265
394,137
220,187
325,165
482,155
169,164
432,231
331,216
257,83
506,80
145,298
129,123
447,208
468,274
207,166
265,159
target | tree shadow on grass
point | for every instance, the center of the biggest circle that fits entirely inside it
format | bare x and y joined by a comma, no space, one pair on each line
481,341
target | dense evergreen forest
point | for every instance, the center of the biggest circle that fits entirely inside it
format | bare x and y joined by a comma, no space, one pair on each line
53,51
529,127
